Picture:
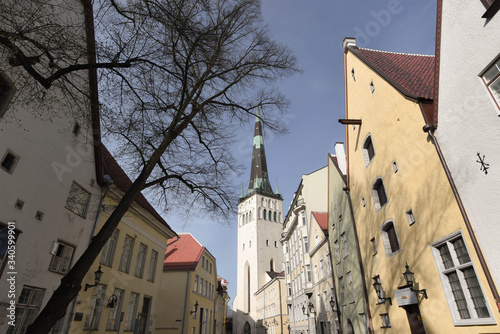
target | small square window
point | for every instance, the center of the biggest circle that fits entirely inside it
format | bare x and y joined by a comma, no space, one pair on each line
372,87
374,245
9,162
78,200
39,215
395,166
410,217
363,202
19,204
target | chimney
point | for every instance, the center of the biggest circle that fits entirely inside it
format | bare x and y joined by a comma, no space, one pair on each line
340,154
348,41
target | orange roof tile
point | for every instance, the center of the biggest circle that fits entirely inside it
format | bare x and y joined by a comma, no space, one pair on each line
182,253
322,220
412,75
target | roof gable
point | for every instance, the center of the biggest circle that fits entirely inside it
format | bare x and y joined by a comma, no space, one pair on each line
322,220
183,253
412,75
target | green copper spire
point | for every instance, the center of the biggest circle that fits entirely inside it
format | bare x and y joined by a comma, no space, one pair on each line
259,179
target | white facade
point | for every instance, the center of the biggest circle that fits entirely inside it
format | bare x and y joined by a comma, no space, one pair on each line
299,239
48,187
259,251
468,117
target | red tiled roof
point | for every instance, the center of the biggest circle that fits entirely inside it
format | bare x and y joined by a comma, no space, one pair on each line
321,219
412,75
122,181
182,254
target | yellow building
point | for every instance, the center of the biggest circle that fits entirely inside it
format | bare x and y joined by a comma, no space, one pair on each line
272,310
125,299
403,204
188,288
220,311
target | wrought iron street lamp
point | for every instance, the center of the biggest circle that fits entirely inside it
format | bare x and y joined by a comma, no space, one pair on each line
97,277
377,285
410,280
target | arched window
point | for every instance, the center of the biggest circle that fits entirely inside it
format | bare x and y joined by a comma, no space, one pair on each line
246,217
368,150
264,215
250,215
262,202
270,216
274,216
378,193
271,265
259,216
390,238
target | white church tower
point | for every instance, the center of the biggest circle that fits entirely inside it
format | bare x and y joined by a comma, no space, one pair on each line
260,215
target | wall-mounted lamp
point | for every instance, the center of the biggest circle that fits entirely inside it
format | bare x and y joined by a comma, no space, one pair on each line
410,279
310,309
112,301
97,278
195,308
377,285
332,303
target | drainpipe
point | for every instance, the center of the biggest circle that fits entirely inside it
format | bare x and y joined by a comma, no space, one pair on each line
108,182
429,129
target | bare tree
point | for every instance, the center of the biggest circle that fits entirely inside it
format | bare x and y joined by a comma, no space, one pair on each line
177,77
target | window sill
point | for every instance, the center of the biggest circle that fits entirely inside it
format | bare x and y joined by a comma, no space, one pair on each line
385,326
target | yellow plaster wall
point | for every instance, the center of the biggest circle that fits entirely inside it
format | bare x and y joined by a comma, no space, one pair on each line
395,124
137,225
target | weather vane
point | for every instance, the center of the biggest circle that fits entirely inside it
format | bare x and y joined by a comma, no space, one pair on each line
484,166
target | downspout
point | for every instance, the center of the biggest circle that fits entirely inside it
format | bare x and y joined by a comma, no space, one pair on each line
429,129
108,182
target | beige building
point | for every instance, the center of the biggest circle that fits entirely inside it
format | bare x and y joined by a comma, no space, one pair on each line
126,298
272,311
403,199
188,289
220,311
298,240
323,288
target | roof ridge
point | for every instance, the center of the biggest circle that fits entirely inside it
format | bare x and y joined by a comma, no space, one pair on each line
397,53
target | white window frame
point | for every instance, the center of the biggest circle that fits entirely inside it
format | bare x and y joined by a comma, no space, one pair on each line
94,315
141,260
108,251
493,80
366,156
62,254
152,266
344,242
27,308
375,194
126,258
78,200
130,317
474,320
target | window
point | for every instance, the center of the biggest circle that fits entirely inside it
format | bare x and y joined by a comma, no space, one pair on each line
274,216
94,315
206,288
27,308
131,311
395,166
128,247
316,240
201,285
306,245
267,242
378,193
76,129
141,260
6,93
78,200
368,150
342,290
322,268
114,313
351,287
461,286
316,276
61,259
491,79
374,245
390,239
308,271
9,161
108,251
264,215
337,250
210,270
386,323
410,217
344,242
270,214
196,279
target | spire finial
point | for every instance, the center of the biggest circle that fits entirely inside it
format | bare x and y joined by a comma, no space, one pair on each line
277,188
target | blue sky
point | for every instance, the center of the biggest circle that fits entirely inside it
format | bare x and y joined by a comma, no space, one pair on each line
314,29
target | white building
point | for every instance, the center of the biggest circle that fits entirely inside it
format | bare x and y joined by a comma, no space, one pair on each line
301,239
466,119
260,214
49,189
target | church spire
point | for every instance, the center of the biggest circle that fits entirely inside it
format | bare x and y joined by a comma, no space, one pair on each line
259,179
